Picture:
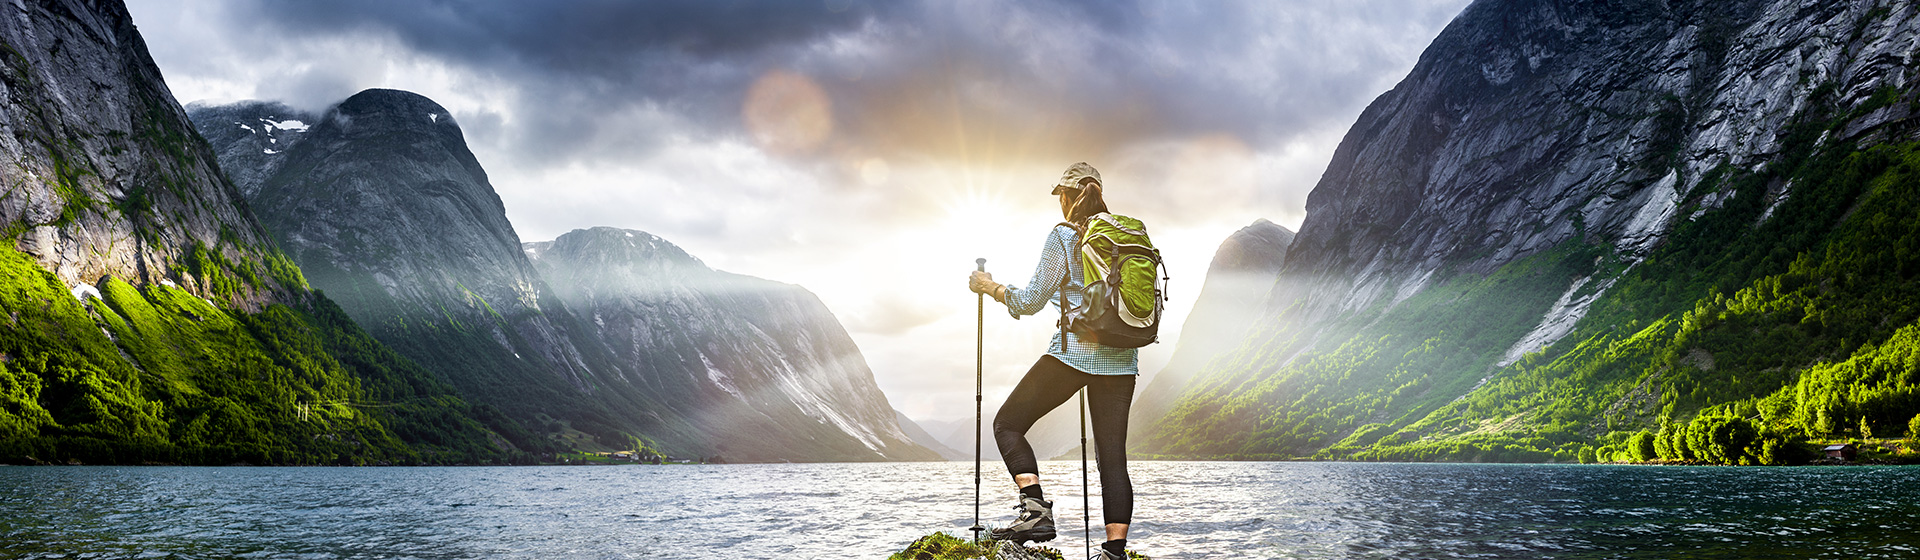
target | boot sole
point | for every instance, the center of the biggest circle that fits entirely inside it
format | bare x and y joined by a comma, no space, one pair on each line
1037,534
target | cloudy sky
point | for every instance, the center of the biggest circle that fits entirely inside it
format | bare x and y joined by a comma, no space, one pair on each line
868,151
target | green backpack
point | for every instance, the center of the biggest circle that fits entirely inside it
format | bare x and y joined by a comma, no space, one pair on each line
1124,287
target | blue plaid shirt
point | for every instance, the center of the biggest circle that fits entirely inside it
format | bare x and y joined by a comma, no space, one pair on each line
1056,258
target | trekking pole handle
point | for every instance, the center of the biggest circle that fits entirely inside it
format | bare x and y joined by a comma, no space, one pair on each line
980,264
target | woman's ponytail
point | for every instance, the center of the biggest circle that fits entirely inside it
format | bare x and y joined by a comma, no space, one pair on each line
1088,203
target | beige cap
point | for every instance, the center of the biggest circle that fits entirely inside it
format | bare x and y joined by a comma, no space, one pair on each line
1076,173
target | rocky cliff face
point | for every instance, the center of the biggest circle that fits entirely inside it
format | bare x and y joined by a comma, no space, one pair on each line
1540,158
149,317
1243,270
761,368
1527,124
388,211
106,177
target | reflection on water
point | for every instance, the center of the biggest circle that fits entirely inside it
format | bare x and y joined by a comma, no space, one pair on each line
838,511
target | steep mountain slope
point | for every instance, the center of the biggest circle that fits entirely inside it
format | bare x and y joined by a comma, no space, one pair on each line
1542,239
149,317
1243,270
763,369
382,204
389,213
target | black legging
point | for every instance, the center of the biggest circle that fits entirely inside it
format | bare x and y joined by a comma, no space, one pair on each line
1049,384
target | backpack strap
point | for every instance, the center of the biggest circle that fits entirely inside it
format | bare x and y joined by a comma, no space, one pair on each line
1108,218
1066,279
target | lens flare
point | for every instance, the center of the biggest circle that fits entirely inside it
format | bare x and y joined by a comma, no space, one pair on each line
787,113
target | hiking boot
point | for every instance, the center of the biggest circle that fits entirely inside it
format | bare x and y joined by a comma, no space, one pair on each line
1102,554
1034,524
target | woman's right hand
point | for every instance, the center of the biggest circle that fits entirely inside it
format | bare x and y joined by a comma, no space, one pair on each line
981,282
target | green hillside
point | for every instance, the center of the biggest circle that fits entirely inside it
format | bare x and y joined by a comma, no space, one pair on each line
157,375
1746,332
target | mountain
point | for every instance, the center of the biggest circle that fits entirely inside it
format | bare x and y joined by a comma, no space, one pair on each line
1243,270
920,436
382,204
1579,230
386,209
761,368
150,318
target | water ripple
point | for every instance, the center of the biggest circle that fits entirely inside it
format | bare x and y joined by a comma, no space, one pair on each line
841,511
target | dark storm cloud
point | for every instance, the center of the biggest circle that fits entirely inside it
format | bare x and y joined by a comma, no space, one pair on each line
575,36
578,61
997,80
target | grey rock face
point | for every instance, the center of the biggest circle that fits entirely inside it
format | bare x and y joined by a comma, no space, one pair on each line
1528,123
762,368
254,142
387,210
1243,270
105,176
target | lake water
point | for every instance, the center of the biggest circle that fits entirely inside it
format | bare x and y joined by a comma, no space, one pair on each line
844,511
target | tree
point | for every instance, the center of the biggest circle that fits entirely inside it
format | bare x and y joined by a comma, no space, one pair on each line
1775,451
1641,447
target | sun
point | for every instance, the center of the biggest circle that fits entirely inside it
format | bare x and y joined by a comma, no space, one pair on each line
976,210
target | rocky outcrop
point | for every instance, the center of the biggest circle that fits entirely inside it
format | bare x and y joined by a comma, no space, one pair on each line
105,176
1243,270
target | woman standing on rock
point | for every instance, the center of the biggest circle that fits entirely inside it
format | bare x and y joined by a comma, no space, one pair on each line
1106,372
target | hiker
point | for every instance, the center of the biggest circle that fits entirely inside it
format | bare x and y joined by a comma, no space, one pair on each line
1108,374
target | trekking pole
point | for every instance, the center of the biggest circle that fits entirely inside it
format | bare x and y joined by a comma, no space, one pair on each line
979,368
1086,501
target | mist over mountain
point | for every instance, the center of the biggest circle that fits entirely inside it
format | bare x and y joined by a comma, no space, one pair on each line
1231,299
761,368
381,202
1576,224
926,439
